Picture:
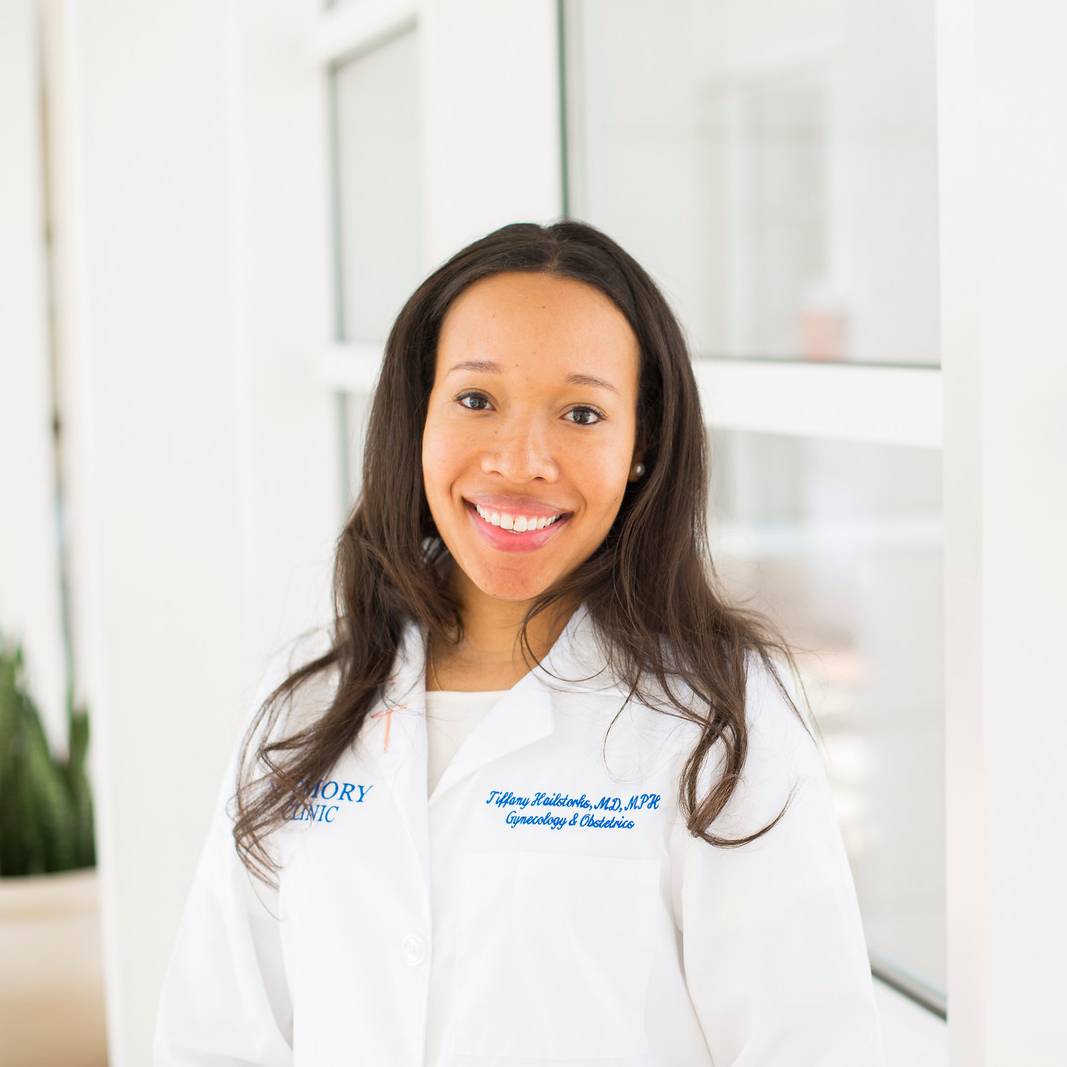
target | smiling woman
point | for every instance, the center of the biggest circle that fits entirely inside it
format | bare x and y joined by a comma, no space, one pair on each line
529,550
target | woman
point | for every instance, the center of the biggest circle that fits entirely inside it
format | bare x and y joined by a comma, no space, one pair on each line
539,795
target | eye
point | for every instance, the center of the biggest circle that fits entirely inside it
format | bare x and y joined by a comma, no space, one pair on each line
578,407
464,396
585,407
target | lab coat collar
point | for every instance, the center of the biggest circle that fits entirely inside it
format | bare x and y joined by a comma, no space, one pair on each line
575,662
395,734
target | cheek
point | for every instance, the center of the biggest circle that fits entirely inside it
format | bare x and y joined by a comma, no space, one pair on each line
605,463
599,475
444,455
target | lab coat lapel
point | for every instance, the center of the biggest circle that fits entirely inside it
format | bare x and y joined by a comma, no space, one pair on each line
520,717
395,736
527,712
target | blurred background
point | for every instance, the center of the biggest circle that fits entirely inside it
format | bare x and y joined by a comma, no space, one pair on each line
210,214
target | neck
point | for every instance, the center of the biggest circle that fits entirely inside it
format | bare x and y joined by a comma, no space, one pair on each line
491,628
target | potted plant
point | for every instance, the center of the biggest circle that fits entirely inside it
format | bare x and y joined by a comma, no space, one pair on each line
51,985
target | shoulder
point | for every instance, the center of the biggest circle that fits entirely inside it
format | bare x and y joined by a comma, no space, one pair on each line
312,697
771,723
260,726
776,712
781,755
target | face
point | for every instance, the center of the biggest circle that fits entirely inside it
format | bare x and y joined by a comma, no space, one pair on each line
517,424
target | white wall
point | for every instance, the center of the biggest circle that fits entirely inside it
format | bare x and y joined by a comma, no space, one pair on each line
1003,169
193,284
490,157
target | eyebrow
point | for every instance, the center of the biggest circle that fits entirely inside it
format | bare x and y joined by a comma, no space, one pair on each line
490,367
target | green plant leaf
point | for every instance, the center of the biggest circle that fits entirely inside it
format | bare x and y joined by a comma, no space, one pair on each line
46,812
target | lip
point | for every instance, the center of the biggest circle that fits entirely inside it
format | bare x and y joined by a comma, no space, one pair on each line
508,541
516,505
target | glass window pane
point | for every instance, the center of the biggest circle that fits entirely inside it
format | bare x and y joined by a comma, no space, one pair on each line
772,163
379,186
841,544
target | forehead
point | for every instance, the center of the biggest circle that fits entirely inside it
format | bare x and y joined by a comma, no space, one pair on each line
534,323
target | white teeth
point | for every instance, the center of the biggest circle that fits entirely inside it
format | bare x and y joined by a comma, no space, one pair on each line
515,523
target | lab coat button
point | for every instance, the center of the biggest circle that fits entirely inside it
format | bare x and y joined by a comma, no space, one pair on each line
414,949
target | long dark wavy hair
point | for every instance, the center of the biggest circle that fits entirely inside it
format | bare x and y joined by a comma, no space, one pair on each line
652,577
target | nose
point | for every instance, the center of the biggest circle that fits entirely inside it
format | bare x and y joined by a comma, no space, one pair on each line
521,451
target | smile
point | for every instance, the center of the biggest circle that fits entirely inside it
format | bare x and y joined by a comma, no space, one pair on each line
515,540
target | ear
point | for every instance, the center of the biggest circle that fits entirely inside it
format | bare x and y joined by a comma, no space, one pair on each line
638,455
639,450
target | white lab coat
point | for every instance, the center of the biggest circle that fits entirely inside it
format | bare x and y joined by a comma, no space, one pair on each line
545,905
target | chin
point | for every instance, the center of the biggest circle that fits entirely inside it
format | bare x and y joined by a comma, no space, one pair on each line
508,584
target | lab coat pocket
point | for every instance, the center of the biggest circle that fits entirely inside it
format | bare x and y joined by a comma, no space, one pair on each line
554,955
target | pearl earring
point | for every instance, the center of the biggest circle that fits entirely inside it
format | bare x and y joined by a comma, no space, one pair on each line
639,469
